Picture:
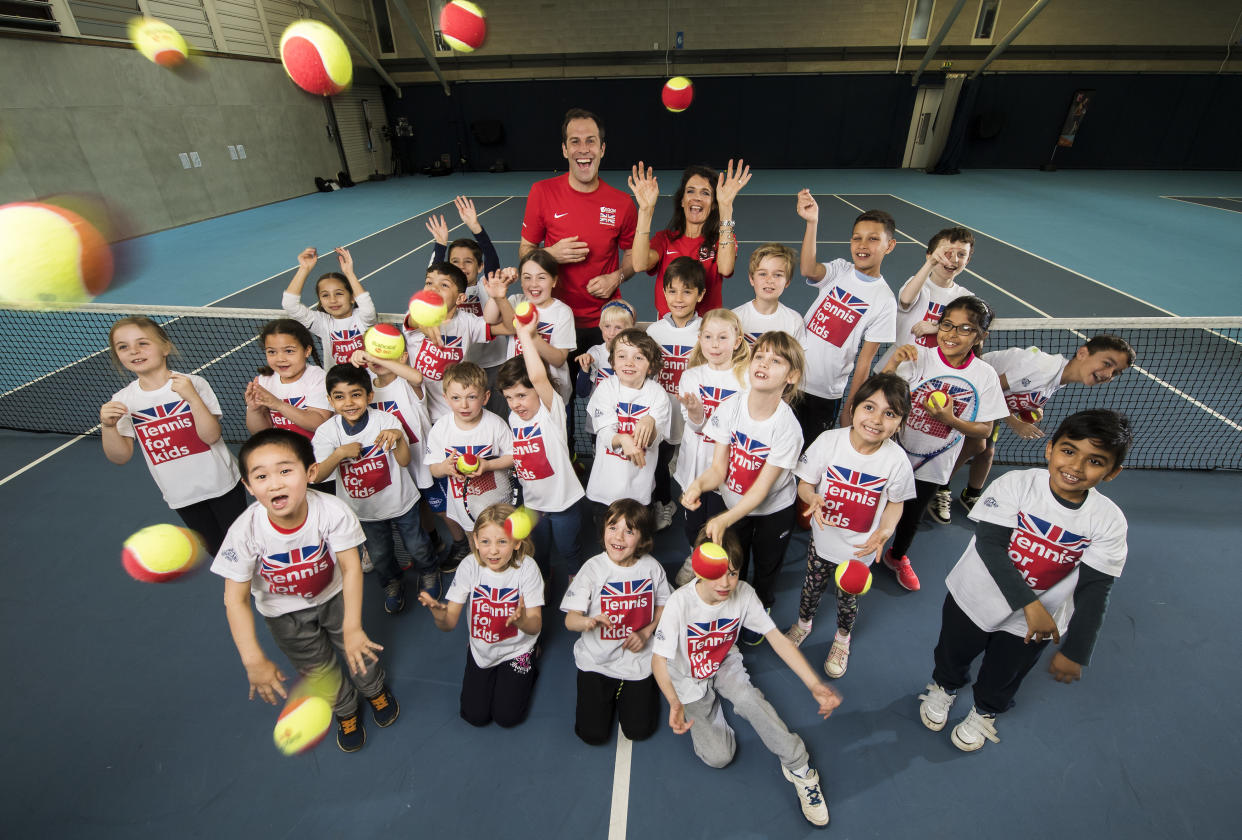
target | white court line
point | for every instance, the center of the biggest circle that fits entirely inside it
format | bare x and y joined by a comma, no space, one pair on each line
429,241
619,816
44,457
860,210
1183,200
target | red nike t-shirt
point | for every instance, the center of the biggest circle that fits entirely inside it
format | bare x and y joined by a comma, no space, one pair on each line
686,246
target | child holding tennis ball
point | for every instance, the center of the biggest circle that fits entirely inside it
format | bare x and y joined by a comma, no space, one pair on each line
345,311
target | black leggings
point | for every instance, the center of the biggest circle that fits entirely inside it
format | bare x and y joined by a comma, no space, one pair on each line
601,699
766,537
500,693
211,518
911,515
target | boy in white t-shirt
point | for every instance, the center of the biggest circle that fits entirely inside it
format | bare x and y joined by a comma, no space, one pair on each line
296,551
695,658
367,452
771,267
1046,551
853,315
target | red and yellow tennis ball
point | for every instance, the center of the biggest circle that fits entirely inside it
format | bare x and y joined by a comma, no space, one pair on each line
678,93
427,309
463,25
524,313
519,524
302,724
316,58
50,256
853,577
467,463
937,399
710,561
158,41
1031,415
160,553
384,341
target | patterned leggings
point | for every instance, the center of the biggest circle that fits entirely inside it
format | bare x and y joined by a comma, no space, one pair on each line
819,575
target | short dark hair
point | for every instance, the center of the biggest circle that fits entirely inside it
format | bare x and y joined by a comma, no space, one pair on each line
299,445
287,326
880,217
637,516
1105,341
513,373
452,272
544,260
580,114
953,234
348,375
1110,430
689,271
896,392
644,343
469,244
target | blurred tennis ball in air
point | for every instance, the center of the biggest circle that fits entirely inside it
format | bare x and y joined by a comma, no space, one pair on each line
463,25
158,41
161,553
316,58
307,715
50,256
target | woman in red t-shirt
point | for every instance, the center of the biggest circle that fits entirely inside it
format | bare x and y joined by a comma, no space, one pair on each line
701,227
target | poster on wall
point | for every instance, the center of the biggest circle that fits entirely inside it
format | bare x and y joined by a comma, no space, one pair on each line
1078,110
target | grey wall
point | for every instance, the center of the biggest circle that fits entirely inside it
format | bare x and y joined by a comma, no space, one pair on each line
103,120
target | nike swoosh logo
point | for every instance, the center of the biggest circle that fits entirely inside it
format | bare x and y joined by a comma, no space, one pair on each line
559,215
670,253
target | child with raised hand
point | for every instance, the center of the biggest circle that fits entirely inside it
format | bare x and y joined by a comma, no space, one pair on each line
504,591
615,316
615,603
345,309
629,414
717,371
954,395
771,267
289,392
757,441
695,662
855,482
296,551
175,418
1046,550
541,458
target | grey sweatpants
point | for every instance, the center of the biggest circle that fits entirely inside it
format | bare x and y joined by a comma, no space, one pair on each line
713,737
311,639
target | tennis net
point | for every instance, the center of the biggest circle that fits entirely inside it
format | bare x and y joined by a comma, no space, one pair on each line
1181,395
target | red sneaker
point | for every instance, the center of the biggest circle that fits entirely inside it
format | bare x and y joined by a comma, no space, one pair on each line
905,575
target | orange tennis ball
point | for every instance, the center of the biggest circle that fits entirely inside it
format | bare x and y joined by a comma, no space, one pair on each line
302,724
524,313
467,463
50,256
854,577
384,341
519,524
709,561
427,309
678,93
1032,415
937,399
160,553
463,25
316,58
158,41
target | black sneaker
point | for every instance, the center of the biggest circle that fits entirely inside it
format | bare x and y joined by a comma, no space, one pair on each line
750,637
456,554
394,597
968,497
350,733
384,707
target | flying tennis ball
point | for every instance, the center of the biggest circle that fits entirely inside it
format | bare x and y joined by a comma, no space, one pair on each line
160,553
678,93
303,724
710,561
524,313
316,58
854,577
427,309
50,256
519,524
937,399
467,463
1032,415
384,341
463,25
158,41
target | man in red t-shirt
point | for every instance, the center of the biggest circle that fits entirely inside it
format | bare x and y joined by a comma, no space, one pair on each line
582,222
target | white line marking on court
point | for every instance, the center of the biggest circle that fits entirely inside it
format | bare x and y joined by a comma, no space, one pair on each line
1183,200
620,788
428,242
43,458
860,210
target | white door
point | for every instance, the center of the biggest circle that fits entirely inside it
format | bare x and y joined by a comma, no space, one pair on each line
922,127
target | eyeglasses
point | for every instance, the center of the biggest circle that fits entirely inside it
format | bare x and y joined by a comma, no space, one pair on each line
962,329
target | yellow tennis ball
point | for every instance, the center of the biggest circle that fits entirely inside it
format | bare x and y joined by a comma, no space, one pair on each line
50,256
160,553
384,341
710,561
316,58
302,724
937,399
158,41
519,524
1032,415
427,309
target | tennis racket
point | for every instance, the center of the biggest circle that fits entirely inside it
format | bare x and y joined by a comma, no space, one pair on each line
484,489
925,437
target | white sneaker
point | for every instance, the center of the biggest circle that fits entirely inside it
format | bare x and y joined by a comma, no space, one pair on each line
941,506
814,807
664,515
969,735
934,710
685,574
366,559
838,659
797,635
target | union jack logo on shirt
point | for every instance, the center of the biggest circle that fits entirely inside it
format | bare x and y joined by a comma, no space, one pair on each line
161,412
855,478
602,373
347,334
627,587
839,296
704,629
1052,533
497,594
276,563
756,449
451,342
677,351
372,451
296,402
712,397
482,451
960,394
632,410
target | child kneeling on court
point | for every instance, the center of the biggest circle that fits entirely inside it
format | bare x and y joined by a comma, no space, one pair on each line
505,592
615,602
694,659
1046,551
296,551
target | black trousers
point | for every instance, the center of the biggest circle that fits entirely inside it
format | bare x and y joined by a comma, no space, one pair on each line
663,490
211,518
911,516
710,504
500,693
816,415
766,538
601,699
1006,659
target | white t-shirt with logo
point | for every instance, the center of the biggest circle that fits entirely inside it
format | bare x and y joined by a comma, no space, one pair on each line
490,438
928,306
696,638
374,485
1048,543
676,344
289,571
851,308
601,365
556,326
398,399
338,337
630,596
856,489
488,599
307,391
784,319
184,468
615,410
1032,374
712,387
541,459
754,444
458,334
